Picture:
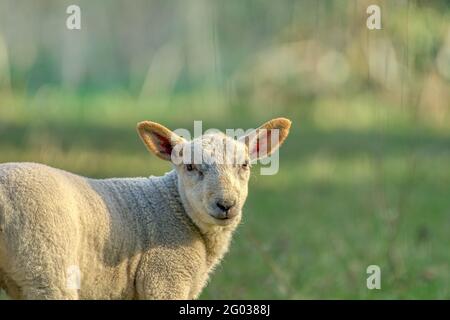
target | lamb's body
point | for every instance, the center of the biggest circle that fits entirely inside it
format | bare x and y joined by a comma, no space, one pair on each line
130,238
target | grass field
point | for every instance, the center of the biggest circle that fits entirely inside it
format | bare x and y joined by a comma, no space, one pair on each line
354,189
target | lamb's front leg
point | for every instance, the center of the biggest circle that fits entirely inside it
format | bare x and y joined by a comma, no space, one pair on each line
163,284
168,276
161,289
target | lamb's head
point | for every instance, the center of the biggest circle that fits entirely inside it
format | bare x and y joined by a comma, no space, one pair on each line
214,169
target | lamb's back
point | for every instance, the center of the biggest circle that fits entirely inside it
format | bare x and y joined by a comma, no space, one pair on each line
31,194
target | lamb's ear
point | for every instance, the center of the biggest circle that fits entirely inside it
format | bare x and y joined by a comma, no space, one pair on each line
158,138
265,140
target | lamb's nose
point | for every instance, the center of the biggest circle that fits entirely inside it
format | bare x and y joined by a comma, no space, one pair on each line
224,205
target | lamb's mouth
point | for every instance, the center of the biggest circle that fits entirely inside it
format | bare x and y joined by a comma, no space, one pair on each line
224,220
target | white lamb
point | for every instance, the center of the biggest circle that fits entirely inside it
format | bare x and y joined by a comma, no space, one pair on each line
140,238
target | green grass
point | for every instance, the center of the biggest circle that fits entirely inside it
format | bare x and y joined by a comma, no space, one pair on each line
345,197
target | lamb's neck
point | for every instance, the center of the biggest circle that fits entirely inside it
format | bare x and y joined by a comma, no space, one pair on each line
217,241
216,238
168,188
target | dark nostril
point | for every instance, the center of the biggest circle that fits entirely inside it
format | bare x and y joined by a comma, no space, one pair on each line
224,206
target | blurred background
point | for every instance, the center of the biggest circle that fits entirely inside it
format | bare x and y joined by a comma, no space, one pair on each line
364,176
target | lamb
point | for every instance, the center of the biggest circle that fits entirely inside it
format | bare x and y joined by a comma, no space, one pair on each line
132,238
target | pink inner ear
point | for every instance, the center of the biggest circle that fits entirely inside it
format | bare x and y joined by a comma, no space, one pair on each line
262,143
164,144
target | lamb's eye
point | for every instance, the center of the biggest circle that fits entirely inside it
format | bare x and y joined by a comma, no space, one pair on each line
193,168
245,165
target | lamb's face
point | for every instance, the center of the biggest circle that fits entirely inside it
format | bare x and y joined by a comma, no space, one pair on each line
213,170
213,178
